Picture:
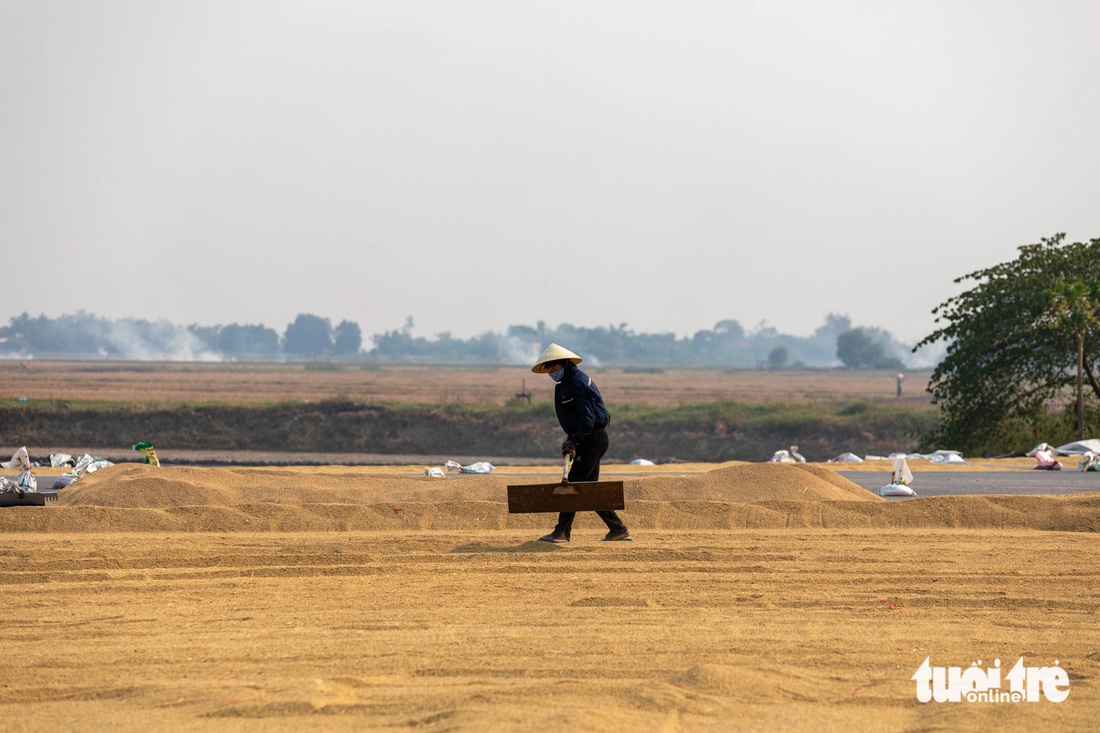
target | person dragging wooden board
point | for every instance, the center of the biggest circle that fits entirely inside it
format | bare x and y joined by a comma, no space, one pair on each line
584,418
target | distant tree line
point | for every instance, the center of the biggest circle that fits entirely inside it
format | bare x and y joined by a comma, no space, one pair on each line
84,335
728,344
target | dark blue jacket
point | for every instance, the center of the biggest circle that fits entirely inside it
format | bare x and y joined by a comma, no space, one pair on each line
579,406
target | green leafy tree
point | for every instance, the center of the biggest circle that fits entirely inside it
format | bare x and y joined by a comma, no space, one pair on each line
400,345
778,357
1015,341
79,333
1075,307
857,349
248,340
347,338
309,335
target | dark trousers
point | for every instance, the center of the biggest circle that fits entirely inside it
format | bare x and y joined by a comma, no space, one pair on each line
586,467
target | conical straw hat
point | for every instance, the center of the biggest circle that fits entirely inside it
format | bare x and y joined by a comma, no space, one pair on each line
553,352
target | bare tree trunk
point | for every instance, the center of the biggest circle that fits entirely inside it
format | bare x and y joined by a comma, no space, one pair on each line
1080,385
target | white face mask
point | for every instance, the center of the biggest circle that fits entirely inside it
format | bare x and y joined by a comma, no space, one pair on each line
557,374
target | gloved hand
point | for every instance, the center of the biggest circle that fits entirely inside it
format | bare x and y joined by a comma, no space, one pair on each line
569,448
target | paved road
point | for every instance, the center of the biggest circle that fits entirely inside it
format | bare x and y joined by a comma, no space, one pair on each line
950,483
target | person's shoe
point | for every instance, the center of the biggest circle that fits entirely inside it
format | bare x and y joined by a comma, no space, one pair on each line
614,536
557,539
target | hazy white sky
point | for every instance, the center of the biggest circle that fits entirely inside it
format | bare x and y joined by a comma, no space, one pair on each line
480,164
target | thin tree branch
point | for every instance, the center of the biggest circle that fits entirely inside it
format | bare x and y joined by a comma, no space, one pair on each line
1092,379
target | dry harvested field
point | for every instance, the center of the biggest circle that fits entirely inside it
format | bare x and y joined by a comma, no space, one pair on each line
197,383
754,597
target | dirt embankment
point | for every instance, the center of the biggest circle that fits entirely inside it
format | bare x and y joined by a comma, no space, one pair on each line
352,428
